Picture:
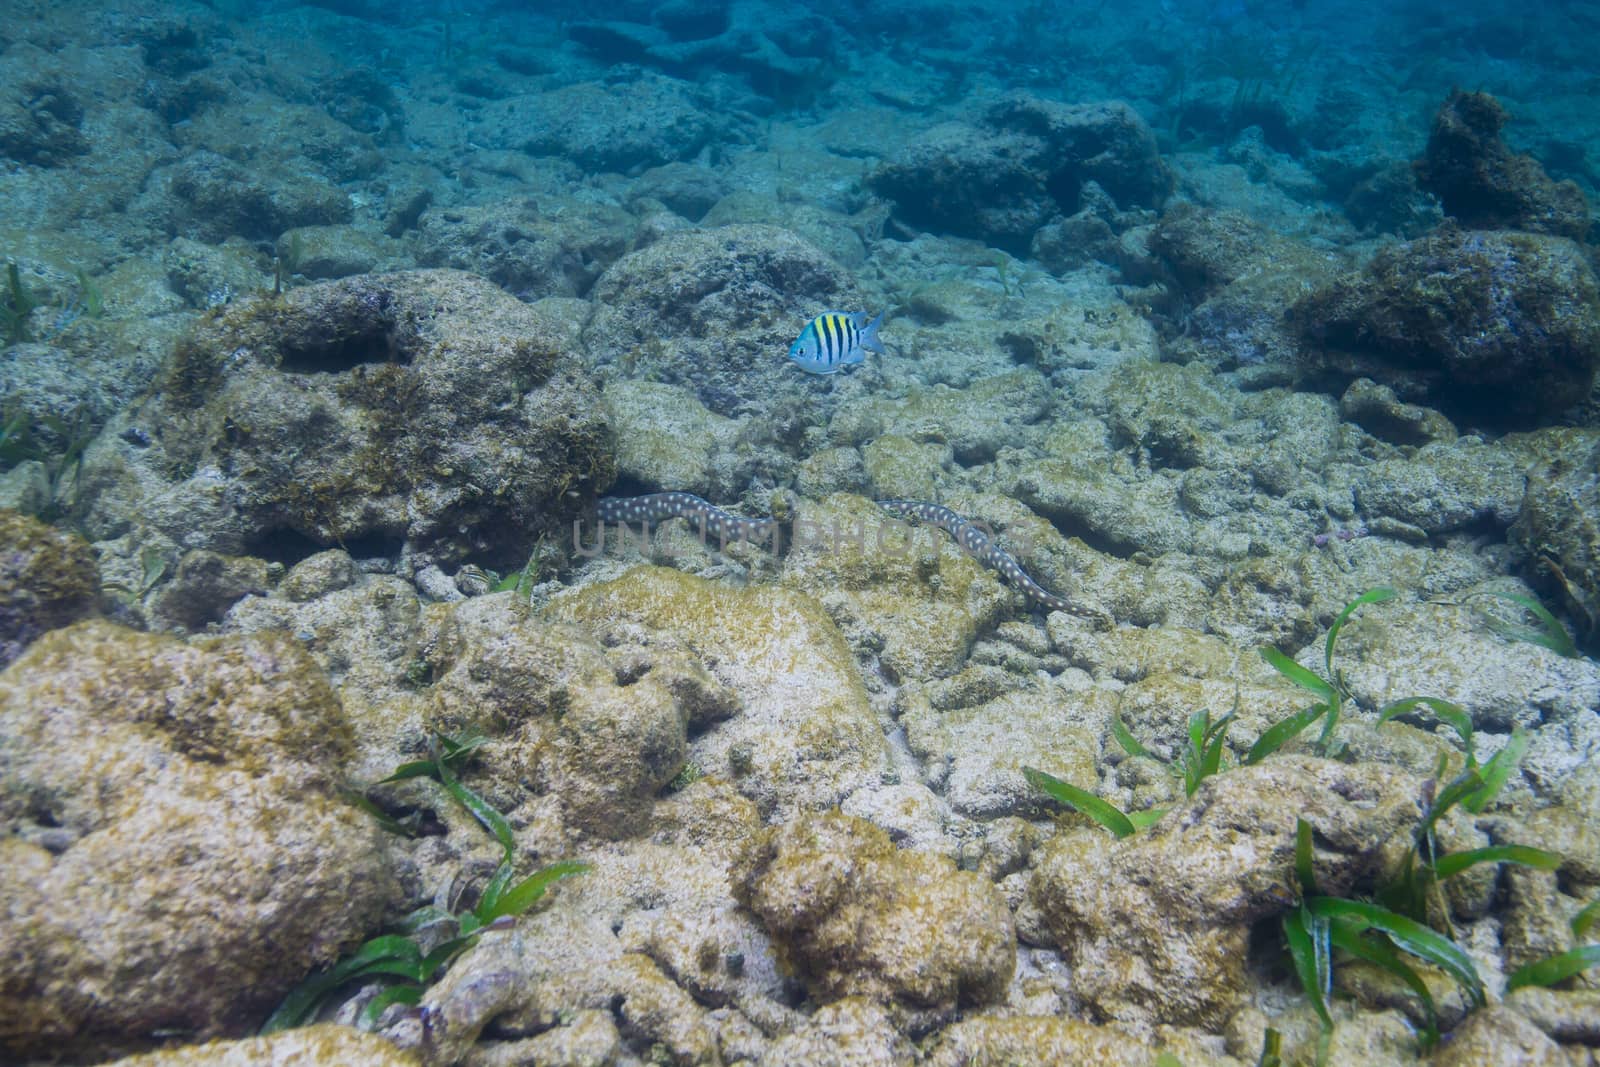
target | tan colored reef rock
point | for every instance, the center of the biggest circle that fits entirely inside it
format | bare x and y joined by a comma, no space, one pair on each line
853,1032
1568,1015
174,853
365,631
595,749
855,916
204,586
1181,897
1078,488
1370,1038
1404,647
976,421
903,468
651,936
325,1045
977,752
666,439
1499,1034
1235,273
716,309
909,594
1444,486
318,575
530,247
805,737
322,253
990,1041
47,579
1377,410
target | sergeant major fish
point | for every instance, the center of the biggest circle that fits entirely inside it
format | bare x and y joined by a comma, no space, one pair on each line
836,339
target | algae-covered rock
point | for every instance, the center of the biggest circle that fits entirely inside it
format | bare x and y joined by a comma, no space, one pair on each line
1444,486
687,189
570,731
1570,827
426,409
1385,1038
784,54
625,126
1500,1034
1237,275
287,139
971,181
210,197
529,248
1568,1015
1558,531
856,916
323,1045
991,1041
580,1039
852,1032
1376,409
1023,160
1206,249
47,579
666,439
41,121
1495,325
901,468
650,936
175,853
977,752
366,635
321,253
318,575
1128,513
205,586
908,594
836,233
805,737
1181,897
1403,648
1481,182
207,276
831,470
976,421
716,309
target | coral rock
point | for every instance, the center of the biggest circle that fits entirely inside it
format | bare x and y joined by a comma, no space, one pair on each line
1500,326
856,916
166,811
1179,900
47,579
1484,184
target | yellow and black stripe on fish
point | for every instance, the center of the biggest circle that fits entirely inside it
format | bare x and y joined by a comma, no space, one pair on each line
836,339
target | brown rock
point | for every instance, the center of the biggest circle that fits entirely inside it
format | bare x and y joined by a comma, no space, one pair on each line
857,917
1180,899
173,853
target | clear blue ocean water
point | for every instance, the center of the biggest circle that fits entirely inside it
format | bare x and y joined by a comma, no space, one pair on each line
1172,327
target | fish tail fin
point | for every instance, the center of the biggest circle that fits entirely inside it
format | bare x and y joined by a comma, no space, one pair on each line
869,334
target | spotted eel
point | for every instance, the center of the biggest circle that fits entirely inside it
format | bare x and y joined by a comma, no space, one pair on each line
658,507
978,544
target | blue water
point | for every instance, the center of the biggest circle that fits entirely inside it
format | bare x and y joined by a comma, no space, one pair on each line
1175,294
